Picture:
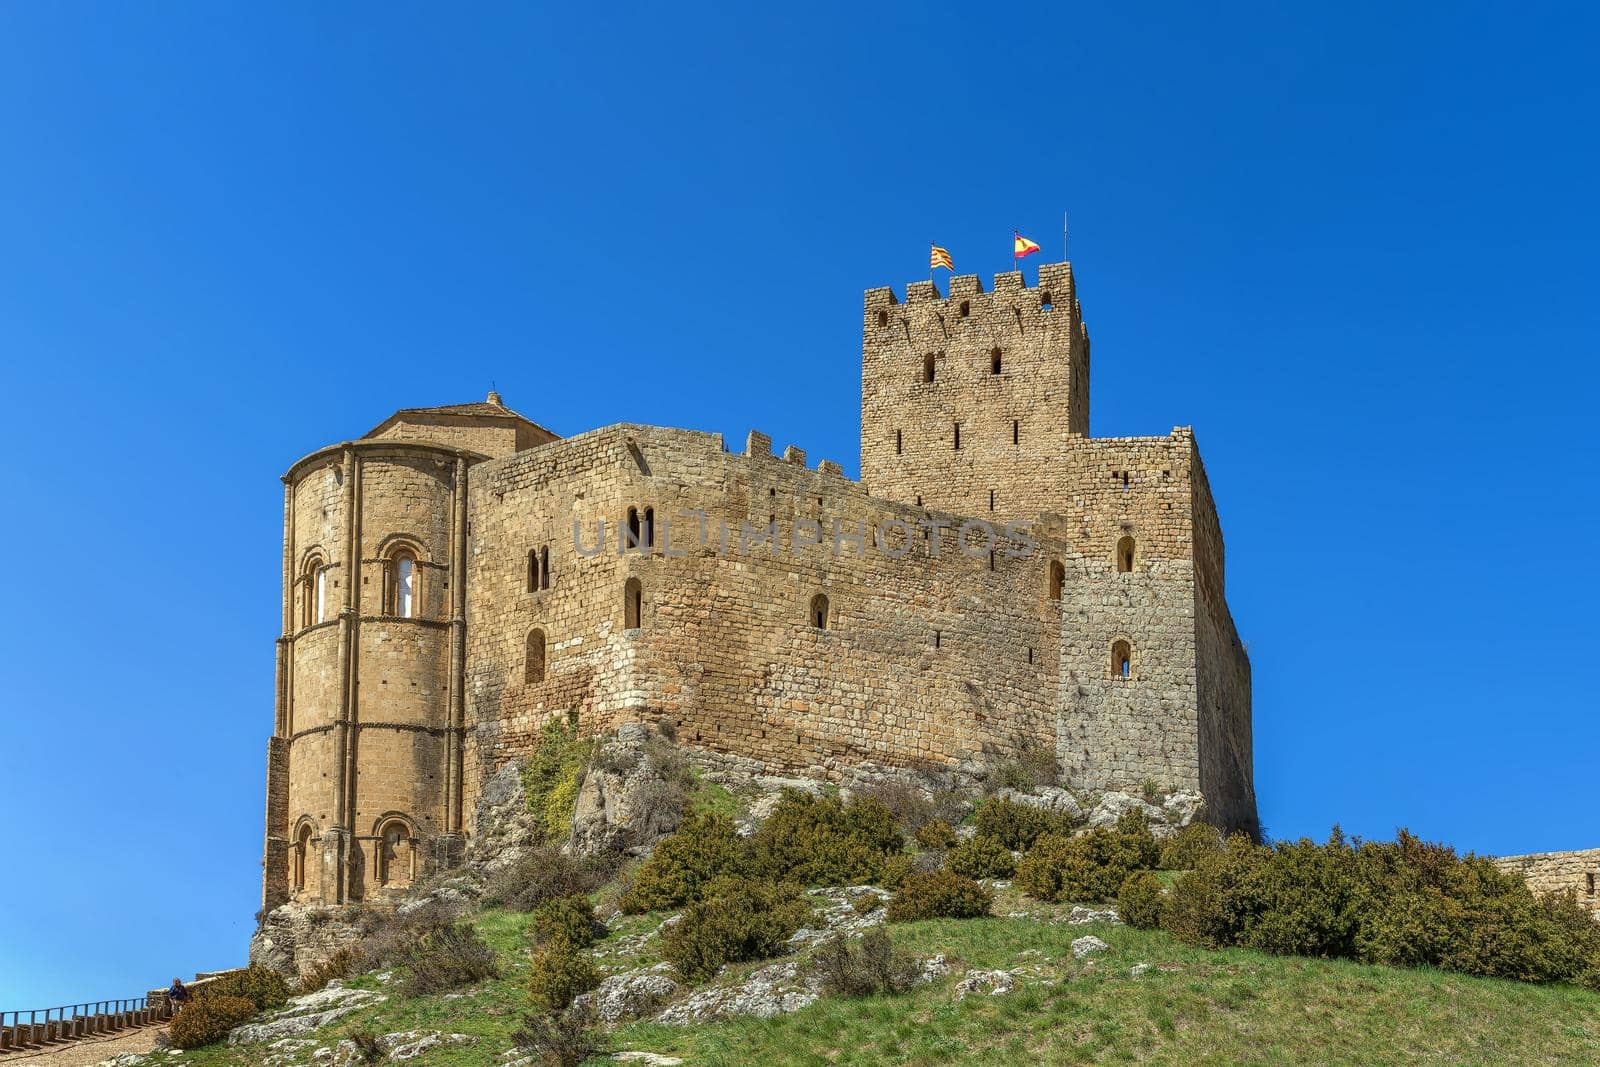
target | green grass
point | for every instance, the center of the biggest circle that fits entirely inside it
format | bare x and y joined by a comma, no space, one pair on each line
713,797
1192,1007
1230,1007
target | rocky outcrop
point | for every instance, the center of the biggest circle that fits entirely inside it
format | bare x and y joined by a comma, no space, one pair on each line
1053,799
293,938
1172,814
1087,946
775,989
631,995
305,1013
631,796
505,830
992,983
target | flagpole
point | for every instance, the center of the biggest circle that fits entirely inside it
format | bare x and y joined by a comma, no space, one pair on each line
1063,236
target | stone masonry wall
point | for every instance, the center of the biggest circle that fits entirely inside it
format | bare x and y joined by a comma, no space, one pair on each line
934,662
1556,872
1016,422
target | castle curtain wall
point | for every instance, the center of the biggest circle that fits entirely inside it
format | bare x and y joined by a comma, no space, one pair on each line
933,663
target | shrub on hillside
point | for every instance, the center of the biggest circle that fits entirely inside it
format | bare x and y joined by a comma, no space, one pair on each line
736,920
546,873
875,966
704,848
342,964
911,810
445,958
262,986
1185,848
569,917
207,1018
560,970
1203,908
1406,902
939,895
823,841
1033,765
866,903
1017,826
896,869
552,776
1141,851
559,1039
1139,900
981,857
1088,867
936,834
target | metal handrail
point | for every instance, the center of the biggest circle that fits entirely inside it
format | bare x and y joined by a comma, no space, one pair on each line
37,1016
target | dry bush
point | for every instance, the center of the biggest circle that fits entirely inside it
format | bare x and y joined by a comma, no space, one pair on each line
873,967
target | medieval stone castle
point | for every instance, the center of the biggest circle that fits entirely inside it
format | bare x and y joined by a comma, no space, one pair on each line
998,579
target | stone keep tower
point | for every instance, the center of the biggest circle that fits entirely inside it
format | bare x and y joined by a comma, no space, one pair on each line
365,763
970,403
977,403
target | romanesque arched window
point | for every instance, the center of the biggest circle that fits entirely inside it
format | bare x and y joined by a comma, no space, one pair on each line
533,663
1125,555
313,592
819,611
927,367
649,527
1121,659
302,857
1058,579
538,568
544,567
994,361
632,604
396,854
403,578
635,535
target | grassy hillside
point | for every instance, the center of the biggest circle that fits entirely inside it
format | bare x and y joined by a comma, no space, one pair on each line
1192,1006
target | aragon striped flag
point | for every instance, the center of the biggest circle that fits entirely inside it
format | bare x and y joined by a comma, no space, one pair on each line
1021,246
940,257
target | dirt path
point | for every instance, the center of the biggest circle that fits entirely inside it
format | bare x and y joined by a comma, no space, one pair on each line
85,1053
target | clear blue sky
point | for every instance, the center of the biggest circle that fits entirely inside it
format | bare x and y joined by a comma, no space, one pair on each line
1353,246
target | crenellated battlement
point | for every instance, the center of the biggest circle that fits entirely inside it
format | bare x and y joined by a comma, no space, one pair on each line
1055,288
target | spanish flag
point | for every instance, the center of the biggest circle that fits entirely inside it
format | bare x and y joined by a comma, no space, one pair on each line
940,257
1021,246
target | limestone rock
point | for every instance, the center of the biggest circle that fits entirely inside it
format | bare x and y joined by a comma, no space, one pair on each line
1088,946
292,938
649,1059
625,803
1138,970
305,1013
1049,798
506,829
287,1051
776,989
1081,915
837,914
1183,808
1111,806
454,898
994,983
631,995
